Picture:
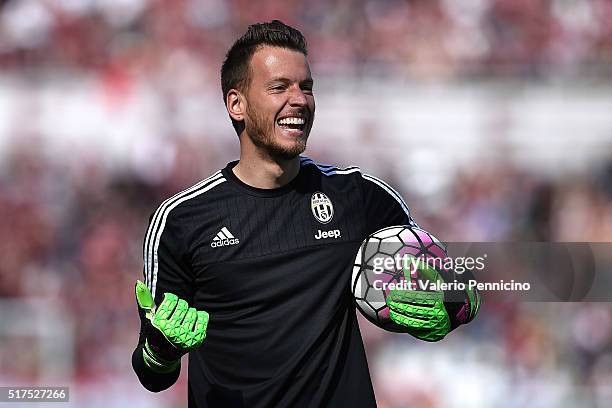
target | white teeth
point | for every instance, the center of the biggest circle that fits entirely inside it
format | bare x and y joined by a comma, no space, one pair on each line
292,121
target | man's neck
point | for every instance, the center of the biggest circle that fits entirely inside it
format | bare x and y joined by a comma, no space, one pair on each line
259,170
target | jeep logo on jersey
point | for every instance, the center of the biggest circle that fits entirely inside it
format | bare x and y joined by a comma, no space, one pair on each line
322,208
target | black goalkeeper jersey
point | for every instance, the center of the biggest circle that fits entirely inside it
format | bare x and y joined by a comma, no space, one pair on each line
273,269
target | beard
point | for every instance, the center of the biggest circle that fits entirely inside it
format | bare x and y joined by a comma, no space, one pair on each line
261,133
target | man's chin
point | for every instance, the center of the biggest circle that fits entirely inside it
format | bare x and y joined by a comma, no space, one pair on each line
286,152
279,149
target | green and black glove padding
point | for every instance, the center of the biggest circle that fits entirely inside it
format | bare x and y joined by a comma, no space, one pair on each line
431,315
171,329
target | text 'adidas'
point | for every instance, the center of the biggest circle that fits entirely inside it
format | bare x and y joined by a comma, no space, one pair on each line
223,238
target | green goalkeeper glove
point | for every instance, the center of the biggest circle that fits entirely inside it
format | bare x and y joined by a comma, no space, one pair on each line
171,330
431,315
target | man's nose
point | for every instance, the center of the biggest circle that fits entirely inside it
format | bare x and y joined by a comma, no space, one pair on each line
297,97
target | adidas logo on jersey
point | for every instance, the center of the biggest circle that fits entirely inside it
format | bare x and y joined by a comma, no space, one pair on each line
223,238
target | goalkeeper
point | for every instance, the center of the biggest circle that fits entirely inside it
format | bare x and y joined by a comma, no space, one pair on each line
266,246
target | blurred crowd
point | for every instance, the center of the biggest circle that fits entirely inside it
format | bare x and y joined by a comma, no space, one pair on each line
410,38
72,227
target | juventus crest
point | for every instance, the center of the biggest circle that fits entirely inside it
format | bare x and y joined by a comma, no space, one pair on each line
322,208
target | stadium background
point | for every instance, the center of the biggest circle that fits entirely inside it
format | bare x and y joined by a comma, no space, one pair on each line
492,118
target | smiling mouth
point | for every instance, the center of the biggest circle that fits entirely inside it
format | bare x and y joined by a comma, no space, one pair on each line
292,123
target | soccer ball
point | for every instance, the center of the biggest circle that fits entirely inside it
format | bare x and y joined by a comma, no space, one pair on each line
379,268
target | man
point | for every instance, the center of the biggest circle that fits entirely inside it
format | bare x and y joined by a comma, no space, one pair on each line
264,248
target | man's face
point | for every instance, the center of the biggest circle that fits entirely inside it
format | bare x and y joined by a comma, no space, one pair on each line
280,104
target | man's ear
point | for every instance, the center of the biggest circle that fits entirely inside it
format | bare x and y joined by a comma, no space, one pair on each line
235,105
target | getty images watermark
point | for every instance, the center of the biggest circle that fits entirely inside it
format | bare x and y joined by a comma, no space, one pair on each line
410,264
501,271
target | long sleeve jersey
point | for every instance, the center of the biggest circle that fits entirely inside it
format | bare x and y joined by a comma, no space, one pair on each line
272,267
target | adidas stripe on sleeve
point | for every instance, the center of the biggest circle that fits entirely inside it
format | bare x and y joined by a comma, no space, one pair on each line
384,206
159,255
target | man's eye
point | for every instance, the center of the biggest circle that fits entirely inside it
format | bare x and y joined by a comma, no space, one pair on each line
307,90
277,88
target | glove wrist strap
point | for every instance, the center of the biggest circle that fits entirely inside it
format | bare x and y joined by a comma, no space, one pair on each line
157,364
